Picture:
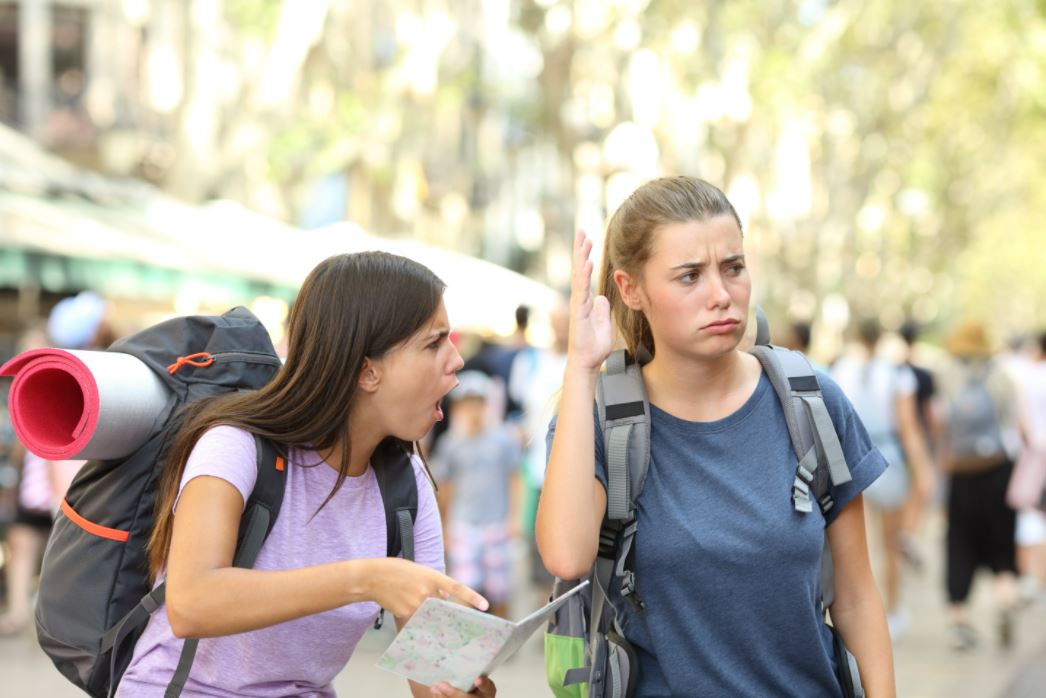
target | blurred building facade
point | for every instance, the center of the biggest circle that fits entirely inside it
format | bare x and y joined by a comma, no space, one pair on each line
498,127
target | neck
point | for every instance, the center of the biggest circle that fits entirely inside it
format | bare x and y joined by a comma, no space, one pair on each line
673,380
364,437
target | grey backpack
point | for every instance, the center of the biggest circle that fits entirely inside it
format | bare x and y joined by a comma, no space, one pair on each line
974,430
586,653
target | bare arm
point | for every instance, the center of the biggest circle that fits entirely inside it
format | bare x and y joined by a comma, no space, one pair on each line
858,612
515,503
914,443
207,597
572,501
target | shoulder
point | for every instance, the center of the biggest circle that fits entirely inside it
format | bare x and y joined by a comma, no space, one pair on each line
421,473
227,441
833,394
224,452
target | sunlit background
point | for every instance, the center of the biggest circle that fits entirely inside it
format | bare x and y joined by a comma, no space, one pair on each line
887,158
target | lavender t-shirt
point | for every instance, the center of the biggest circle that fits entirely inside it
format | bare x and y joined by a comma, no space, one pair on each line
299,657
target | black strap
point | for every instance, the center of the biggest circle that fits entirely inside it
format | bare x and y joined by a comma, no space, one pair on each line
114,639
259,516
399,495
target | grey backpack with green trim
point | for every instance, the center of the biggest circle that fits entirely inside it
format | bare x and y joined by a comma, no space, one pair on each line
586,653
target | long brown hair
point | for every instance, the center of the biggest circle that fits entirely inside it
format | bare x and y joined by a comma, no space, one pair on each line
351,307
630,239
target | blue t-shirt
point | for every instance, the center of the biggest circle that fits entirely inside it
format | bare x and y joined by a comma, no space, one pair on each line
728,570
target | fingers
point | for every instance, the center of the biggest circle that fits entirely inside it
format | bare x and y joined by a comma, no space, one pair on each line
582,264
468,596
480,687
484,687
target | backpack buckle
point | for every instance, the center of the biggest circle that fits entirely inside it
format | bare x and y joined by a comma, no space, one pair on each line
628,590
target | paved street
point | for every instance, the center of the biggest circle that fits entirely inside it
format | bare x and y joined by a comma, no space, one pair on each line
926,668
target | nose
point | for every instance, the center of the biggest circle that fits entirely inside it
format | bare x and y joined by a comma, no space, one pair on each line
456,362
718,296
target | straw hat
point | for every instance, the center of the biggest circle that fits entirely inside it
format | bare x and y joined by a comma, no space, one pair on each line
969,340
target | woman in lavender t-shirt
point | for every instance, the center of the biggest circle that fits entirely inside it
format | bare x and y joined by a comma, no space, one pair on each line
368,360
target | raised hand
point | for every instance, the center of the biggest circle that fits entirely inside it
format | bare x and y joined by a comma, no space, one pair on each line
591,332
400,586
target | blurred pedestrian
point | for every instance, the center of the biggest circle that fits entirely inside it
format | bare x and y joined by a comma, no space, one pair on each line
1026,489
883,394
978,442
537,376
925,390
476,466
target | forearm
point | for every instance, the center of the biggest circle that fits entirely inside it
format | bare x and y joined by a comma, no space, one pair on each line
515,502
912,440
862,624
231,600
567,520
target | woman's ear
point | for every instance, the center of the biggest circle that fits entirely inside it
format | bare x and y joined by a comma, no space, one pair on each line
628,289
370,376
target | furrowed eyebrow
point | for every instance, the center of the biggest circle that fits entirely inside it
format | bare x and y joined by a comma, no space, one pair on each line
690,266
697,266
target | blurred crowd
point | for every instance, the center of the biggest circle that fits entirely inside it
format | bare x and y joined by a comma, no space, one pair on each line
961,422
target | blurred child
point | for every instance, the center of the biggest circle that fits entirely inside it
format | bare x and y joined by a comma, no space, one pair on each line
476,466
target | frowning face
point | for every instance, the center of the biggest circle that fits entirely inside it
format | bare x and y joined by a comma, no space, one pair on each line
694,288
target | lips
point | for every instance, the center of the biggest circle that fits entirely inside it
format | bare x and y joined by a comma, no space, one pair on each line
721,323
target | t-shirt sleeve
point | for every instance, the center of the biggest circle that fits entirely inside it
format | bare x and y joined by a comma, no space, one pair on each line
428,532
601,466
224,452
864,460
512,451
907,383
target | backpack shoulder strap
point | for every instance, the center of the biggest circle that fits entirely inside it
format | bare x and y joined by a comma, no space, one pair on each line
810,427
813,436
624,418
259,516
394,472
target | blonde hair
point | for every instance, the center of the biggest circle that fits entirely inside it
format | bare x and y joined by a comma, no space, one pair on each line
630,237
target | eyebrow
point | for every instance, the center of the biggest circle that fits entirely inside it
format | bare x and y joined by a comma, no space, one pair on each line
439,334
701,265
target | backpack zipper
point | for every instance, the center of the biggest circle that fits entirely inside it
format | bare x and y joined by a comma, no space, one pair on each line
247,357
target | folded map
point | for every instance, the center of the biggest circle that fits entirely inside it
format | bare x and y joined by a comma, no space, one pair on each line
444,641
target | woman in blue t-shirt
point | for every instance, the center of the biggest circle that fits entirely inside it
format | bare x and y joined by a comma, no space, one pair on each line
729,573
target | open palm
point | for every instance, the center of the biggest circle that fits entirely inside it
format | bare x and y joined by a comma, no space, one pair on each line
590,329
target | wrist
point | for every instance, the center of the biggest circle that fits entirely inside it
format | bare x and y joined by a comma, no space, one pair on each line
358,580
575,370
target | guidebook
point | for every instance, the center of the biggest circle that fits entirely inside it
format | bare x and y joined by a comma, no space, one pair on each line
445,641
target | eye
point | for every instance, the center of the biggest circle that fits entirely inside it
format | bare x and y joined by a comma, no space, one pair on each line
735,269
689,278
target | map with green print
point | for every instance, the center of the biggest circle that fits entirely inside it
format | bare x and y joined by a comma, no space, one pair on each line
444,641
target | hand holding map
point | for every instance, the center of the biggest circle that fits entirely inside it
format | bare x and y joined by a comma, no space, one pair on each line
444,641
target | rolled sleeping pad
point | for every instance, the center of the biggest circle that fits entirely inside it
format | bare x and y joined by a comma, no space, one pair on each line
71,404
